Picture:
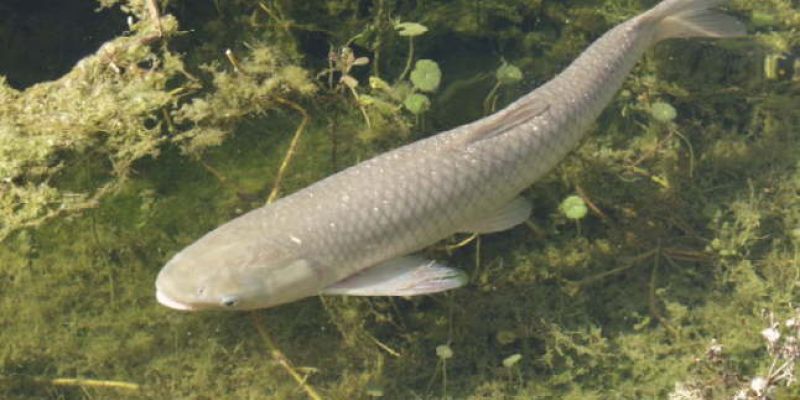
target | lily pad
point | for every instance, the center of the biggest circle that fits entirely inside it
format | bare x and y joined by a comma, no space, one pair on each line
508,74
417,103
574,207
663,111
426,75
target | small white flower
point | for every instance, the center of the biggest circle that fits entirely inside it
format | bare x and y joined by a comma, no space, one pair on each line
771,335
758,385
715,350
740,395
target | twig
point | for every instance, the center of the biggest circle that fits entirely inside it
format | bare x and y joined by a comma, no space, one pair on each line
652,298
80,382
589,203
258,322
383,346
477,270
409,59
292,147
155,15
574,287
234,61
281,359
452,247
691,152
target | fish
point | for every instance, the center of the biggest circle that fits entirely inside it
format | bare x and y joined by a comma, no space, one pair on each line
358,232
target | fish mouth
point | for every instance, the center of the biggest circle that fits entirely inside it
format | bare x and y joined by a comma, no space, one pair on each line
172,303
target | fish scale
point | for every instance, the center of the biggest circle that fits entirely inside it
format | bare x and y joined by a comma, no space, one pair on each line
352,232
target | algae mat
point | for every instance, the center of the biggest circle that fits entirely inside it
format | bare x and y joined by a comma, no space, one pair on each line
662,259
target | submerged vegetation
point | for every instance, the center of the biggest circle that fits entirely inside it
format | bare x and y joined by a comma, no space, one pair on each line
662,259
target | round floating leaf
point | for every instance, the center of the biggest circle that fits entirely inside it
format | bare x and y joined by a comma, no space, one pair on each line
508,74
444,351
663,112
410,29
417,103
426,75
574,207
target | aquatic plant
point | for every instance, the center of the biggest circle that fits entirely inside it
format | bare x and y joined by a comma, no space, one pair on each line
119,105
663,112
573,207
417,103
506,75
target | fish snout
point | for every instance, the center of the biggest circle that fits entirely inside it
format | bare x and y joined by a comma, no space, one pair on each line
167,301
171,289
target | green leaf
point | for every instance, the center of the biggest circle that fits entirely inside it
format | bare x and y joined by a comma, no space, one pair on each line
417,103
410,29
426,75
574,207
349,81
508,74
379,84
663,111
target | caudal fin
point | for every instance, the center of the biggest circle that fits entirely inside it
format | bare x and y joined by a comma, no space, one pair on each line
693,18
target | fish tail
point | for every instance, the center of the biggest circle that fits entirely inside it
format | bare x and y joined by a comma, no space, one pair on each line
692,18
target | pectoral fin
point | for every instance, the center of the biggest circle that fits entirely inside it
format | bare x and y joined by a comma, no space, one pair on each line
510,215
403,276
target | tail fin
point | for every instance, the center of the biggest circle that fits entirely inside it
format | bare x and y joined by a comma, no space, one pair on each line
693,18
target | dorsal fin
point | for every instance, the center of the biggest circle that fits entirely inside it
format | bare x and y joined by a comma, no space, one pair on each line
507,119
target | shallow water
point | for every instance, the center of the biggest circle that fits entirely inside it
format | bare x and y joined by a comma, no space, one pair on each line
692,233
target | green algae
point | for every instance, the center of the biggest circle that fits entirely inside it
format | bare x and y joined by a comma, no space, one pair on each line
695,235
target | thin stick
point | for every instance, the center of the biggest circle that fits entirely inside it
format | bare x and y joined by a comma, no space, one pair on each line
691,152
453,247
408,60
476,272
276,188
652,298
94,383
79,382
360,106
575,287
155,15
281,359
383,346
234,61
589,203
274,351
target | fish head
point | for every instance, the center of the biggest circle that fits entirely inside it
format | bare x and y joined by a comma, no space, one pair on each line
219,274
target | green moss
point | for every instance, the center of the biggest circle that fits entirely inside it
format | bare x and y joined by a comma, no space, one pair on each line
116,105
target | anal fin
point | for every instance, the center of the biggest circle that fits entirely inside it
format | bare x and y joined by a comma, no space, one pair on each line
402,276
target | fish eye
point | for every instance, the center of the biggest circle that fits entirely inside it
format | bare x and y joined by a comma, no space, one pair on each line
229,301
